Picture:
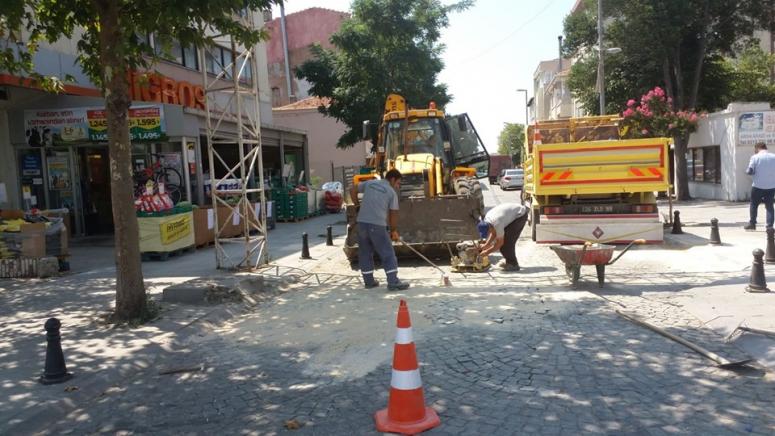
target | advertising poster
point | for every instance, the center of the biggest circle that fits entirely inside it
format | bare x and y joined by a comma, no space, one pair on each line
59,173
31,165
175,228
44,128
146,123
756,127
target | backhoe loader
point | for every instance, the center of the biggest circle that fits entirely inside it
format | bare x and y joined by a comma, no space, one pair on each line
441,159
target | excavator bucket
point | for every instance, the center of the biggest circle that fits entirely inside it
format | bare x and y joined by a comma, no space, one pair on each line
432,226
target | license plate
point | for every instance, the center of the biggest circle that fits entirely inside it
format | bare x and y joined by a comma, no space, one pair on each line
597,209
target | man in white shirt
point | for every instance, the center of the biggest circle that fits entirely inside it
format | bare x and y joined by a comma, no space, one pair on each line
762,169
504,225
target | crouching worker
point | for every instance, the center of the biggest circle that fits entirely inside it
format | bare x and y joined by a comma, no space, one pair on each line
378,212
503,224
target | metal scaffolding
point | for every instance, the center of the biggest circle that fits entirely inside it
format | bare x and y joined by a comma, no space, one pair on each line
232,110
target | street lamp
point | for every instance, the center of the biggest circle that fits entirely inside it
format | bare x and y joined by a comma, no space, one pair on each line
526,117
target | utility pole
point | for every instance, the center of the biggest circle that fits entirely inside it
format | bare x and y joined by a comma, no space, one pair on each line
600,54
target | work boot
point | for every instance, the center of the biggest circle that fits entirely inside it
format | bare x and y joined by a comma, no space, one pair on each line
398,286
506,266
750,227
372,284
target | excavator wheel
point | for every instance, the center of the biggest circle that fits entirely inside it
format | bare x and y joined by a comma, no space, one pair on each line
470,186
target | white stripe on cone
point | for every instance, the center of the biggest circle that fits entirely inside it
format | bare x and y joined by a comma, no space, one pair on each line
406,380
404,336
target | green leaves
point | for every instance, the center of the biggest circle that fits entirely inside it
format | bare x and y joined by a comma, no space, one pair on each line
674,44
386,46
511,139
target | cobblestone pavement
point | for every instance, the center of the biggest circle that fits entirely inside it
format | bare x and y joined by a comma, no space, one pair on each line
497,361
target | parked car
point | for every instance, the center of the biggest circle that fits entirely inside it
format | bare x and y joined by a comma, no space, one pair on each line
512,179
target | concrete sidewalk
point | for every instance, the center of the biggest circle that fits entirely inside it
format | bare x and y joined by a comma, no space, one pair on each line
724,304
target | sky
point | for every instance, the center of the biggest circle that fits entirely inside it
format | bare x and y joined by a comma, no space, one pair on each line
492,49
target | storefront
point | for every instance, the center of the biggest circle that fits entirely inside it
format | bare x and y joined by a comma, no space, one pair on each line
720,150
62,160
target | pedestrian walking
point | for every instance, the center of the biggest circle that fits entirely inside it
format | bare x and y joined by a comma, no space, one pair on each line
762,169
377,226
502,225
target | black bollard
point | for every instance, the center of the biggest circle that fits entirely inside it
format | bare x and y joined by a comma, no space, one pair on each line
329,236
769,257
715,238
55,370
305,246
677,224
758,282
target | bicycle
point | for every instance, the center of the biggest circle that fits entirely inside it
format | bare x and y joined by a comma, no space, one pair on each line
159,174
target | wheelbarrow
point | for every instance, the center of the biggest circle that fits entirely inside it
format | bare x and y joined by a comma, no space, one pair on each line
573,256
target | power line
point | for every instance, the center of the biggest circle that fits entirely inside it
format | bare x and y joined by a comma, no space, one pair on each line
514,32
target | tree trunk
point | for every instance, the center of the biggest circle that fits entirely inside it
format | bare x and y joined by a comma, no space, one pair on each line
681,170
130,290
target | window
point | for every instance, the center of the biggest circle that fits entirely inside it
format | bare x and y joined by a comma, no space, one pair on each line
172,51
704,164
219,58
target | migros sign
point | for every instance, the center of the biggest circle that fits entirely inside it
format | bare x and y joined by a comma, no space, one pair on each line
157,88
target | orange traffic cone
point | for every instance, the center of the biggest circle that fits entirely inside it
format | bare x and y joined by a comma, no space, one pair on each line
406,412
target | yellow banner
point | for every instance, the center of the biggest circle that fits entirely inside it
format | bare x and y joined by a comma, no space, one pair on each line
175,228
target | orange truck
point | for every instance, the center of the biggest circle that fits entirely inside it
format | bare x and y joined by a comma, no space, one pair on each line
584,183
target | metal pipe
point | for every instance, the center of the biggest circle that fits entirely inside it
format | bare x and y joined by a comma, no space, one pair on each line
601,54
285,52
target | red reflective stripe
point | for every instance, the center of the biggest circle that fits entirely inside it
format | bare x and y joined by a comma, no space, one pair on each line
636,171
565,175
547,176
655,172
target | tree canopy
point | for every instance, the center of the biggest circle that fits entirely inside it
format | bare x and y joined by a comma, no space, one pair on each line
110,36
510,141
677,45
386,46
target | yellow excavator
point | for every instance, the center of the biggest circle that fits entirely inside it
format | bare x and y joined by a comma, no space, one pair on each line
441,159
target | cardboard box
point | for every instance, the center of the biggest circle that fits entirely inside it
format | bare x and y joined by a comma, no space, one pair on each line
204,226
33,240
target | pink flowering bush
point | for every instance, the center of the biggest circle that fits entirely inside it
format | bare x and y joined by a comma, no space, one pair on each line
654,117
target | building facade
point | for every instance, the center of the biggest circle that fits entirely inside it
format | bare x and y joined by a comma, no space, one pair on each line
719,151
323,133
53,149
303,28
552,97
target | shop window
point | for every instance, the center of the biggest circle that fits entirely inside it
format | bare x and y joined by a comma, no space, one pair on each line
704,164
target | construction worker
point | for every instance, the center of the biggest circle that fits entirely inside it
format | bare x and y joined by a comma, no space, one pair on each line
378,213
502,225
